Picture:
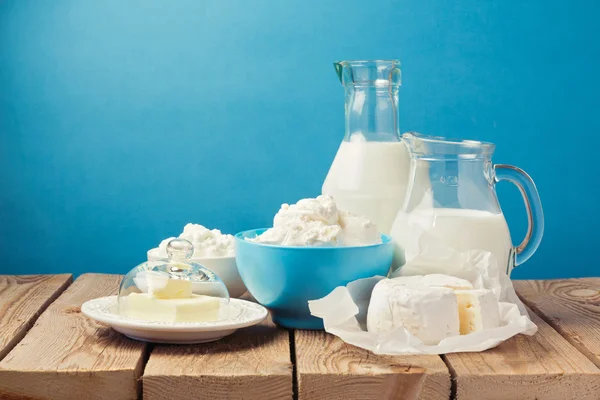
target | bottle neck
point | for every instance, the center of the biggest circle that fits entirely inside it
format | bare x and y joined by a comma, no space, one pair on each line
372,113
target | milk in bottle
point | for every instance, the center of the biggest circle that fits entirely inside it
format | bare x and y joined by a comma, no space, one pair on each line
369,174
369,178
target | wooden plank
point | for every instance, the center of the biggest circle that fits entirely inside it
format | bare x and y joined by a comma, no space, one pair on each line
22,300
571,306
253,363
544,367
68,356
328,368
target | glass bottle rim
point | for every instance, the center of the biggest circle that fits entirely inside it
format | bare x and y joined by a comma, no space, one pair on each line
365,62
381,74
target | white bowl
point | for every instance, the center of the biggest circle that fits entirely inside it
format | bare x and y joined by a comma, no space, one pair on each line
224,267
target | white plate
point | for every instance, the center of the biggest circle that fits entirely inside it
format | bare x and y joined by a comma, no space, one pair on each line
242,313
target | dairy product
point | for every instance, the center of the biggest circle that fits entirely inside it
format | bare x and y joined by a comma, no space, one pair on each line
197,308
429,313
431,307
370,179
357,230
168,300
478,310
430,231
318,222
172,289
447,281
207,242
439,280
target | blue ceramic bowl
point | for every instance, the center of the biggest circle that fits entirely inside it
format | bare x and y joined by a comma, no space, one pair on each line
284,278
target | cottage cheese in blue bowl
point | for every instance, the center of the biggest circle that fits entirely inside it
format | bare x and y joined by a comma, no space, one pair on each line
284,278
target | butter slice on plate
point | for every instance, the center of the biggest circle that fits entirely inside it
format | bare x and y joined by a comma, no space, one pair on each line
173,289
196,308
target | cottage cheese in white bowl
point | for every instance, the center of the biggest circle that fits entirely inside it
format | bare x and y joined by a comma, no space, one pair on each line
213,249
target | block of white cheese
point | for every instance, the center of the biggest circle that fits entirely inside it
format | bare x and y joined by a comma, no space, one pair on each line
432,307
478,310
429,313
196,308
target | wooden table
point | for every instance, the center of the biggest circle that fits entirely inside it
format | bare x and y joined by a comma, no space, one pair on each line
49,350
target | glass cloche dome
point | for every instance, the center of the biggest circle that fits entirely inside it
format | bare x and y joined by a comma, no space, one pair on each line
173,290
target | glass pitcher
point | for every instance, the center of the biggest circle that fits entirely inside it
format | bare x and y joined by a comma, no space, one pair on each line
369,174
459,210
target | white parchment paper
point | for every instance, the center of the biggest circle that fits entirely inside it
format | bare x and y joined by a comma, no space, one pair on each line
344,310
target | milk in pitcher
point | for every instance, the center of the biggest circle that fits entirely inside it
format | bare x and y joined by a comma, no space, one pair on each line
432,230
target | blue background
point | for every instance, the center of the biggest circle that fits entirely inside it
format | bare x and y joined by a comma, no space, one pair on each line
120,121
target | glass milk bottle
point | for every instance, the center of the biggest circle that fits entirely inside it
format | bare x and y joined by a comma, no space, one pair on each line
369,174
459,211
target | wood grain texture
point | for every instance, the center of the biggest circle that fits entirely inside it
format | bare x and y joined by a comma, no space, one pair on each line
22,300
543,367
328,368
68,356
571,306
253,363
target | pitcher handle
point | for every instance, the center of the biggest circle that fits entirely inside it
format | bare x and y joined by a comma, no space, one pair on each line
533,204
